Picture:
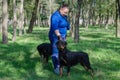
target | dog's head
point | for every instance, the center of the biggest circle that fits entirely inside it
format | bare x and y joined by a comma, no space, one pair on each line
61,45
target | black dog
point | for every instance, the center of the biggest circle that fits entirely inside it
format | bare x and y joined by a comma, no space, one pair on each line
68,58
45,50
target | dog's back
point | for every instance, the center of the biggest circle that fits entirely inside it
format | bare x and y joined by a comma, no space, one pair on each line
78,57
44,47
45,50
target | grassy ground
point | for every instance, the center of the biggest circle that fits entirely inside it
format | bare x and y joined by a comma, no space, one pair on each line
20,60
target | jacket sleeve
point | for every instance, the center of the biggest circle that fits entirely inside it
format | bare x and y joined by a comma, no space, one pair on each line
54,22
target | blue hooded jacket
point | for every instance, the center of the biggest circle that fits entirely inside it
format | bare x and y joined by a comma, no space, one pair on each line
58,22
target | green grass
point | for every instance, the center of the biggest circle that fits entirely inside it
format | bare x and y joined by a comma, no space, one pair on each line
20,60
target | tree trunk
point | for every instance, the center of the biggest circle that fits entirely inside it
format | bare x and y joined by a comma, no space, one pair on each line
72,17
118,18
38,15
50,12
0,17
34,15
14,20
4,22
0,25
76,35
118,3
118,28
21,18
92,13
106,20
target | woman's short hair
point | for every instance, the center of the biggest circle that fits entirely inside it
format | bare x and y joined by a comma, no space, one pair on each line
64,6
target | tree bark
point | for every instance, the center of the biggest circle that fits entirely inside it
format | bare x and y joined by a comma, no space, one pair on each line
34,15
21,20
118,3
0,25
118,18
0,18
38,14
50,12
76,35
4,22
72,16
14,20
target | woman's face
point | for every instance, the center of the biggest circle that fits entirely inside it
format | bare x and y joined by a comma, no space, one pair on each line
64,11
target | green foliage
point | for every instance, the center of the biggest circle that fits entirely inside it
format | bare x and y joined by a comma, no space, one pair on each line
103,6
60,1
20,60
43,17
28,6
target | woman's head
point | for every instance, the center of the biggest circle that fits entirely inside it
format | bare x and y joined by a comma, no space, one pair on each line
64,9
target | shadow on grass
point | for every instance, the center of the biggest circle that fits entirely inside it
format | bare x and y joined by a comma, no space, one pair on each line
96,45
16,61
104,53
21,60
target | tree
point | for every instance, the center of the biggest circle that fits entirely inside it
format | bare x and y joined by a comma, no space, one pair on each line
21,18
71,15
0,25
76,32
28,7
34,15
4,21
14,20
118,3
0,16
118,18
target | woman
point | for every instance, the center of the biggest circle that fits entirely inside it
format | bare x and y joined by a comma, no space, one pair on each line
58,30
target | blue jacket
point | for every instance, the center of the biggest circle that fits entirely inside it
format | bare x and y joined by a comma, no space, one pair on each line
58,22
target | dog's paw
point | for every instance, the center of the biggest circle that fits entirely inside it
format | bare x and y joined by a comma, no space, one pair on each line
91,73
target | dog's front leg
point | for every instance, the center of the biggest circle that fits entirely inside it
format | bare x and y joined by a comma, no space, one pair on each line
68,71
61,72
92,73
